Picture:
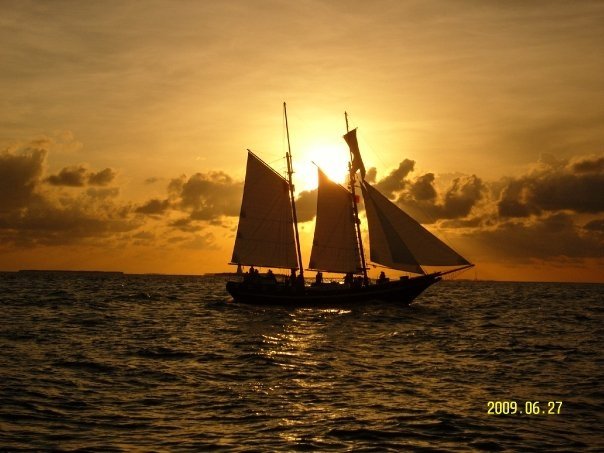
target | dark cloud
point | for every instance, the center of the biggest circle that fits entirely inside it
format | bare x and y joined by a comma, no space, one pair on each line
472,222
546,238
395,181
207,196
20,172
576,187
461,196
423,188
79,176
421,198
595,225
105,192
101,178
46,222
371,175
153,207
74,176
589,165
517,219
185,224
422,201
306,205
32,213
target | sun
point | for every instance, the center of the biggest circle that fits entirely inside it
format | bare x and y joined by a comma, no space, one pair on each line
331,158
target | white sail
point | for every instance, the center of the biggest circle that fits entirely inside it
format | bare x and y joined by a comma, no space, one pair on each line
265,235
335,247
398,241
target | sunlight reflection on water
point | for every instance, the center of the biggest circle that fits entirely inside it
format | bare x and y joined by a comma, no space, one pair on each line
164,363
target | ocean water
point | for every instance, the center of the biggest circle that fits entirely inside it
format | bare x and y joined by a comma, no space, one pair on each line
168,363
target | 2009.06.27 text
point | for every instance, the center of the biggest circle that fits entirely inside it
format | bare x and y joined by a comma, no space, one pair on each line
524,408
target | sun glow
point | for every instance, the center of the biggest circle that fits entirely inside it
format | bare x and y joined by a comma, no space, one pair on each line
331,158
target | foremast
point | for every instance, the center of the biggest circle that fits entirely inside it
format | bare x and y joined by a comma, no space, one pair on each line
290,172
355,210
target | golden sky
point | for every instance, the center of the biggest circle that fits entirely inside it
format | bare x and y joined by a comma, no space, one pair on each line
124,125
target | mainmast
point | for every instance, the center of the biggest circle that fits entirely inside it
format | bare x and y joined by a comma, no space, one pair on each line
355,210
290,172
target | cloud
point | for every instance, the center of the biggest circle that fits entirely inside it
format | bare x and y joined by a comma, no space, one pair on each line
423,201
154,207
371,175
596,226
461,196
20,172
306,205
101,178
516,219
546,238
207,196
595,165
204,197
74,176
105,192
423,188
33,213
69,221
79,176
395,181
421,197
576,186
519,219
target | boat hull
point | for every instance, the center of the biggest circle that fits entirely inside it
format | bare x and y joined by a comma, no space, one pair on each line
401,292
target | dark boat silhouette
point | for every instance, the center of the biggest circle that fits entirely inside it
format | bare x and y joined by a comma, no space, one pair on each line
267,236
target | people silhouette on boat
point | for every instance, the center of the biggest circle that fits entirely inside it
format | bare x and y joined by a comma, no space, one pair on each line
271,277
382,278
348,279
251,275
319,278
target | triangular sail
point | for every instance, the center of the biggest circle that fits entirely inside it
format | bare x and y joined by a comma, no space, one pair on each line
353,144
398,241
265,235
335,247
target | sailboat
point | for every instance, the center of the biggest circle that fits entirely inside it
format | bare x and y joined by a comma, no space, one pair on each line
267,236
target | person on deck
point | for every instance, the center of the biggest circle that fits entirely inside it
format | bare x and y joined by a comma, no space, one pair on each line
270,276
382,279
348,279
319,278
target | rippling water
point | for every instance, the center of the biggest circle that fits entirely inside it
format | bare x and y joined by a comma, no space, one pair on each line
164,363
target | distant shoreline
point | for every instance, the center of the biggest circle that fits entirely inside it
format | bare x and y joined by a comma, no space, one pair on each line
229,274
61,271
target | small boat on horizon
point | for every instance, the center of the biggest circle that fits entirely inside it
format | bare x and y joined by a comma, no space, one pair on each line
267,236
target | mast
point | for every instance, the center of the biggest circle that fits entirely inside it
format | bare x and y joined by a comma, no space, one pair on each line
355,210
290,172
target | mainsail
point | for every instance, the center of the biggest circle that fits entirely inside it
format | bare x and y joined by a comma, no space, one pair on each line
398,241
335,247
265,235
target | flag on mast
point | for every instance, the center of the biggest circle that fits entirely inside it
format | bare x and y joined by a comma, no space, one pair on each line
353,144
